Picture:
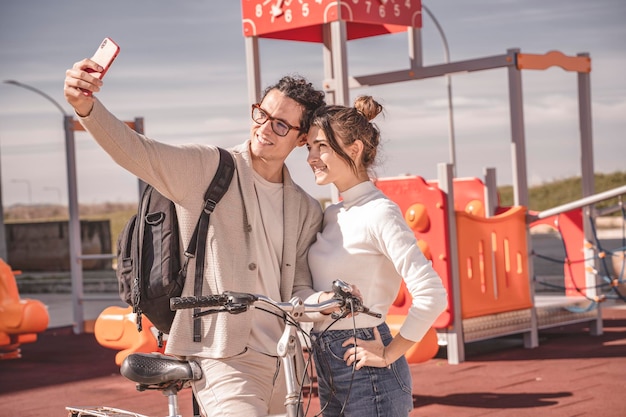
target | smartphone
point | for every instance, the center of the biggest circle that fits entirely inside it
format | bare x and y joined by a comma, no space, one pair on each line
105,55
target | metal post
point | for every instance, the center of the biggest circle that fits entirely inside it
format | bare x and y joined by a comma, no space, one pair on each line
588,182
253,69
336,70
586,135
455,336
76,268
415,48
491,192
327,55
518,138
340,62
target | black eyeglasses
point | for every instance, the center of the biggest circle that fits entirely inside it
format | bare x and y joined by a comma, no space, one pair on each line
280,127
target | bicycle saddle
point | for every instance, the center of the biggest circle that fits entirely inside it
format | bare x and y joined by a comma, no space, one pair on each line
157,369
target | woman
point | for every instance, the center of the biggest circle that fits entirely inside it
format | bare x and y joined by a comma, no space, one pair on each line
365,241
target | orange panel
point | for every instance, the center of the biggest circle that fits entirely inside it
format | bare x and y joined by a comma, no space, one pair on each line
493,263
552,59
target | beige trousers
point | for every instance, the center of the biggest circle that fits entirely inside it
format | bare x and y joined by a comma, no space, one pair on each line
250,384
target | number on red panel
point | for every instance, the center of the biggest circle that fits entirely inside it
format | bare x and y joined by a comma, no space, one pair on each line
261,17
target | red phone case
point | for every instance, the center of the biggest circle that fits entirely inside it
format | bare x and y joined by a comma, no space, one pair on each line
105,55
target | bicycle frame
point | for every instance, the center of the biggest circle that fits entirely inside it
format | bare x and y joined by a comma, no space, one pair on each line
286,349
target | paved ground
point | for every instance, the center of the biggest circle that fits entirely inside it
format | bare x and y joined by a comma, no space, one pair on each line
570,374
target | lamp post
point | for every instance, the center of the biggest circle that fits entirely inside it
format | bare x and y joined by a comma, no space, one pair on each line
76,269
57,190
28,188
451,138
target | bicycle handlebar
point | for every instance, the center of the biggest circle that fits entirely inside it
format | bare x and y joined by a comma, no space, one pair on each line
239,302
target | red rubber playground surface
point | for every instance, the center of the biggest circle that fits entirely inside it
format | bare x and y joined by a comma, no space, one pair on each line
570,374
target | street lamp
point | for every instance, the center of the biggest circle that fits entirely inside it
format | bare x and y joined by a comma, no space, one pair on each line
28,187
449,85
35,90
76,269
56,190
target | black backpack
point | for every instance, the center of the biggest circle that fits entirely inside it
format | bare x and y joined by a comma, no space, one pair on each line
149,268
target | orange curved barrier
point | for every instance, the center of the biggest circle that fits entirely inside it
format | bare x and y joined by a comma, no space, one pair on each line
493,263
115,328
492,252
20,319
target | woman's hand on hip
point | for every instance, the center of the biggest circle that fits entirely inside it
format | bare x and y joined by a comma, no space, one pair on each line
365,352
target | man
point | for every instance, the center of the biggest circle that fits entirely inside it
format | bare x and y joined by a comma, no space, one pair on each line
258,240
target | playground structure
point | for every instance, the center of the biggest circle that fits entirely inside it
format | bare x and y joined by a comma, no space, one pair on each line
116,328
480,250
483,254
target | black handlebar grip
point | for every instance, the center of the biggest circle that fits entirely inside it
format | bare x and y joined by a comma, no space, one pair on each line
179,303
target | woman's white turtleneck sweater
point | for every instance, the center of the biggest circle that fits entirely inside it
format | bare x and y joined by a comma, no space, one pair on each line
365,241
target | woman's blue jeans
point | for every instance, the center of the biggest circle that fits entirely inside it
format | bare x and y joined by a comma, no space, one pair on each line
368,392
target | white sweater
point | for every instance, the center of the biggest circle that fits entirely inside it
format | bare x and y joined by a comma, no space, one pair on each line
365,241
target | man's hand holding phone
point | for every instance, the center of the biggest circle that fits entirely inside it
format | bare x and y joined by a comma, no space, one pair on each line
104,57
84,78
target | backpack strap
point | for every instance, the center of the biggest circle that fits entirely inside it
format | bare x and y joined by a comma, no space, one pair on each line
194,405
138,248
197,245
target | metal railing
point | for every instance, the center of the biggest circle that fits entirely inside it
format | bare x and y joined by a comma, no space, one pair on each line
583,202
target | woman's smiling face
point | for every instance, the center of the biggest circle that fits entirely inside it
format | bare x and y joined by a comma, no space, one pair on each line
327,166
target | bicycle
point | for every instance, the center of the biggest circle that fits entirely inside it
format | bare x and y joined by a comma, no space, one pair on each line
156,371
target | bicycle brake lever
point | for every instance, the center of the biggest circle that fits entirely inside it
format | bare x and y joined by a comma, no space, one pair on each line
370,312
207,312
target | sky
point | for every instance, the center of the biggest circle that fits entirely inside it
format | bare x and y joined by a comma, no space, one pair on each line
182,67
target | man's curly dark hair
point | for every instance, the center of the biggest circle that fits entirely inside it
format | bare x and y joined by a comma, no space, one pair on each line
302,91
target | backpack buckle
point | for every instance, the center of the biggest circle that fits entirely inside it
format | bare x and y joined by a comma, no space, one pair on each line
209,206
